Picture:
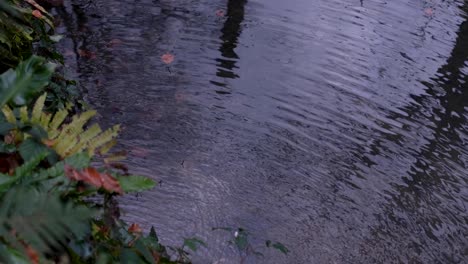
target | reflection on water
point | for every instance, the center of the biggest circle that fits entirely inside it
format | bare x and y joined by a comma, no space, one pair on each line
336,127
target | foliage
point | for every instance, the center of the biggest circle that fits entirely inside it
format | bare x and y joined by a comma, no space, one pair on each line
66,138
21,84
55,207
46,177
20,27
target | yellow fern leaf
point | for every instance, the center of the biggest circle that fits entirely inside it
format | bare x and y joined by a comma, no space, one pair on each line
107,147
58,119
24,116
76,125
86,137
37,110
45,119
103,138
65,144
9,115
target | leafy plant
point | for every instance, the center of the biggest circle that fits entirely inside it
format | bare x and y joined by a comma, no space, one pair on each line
26,81
66,138
20,26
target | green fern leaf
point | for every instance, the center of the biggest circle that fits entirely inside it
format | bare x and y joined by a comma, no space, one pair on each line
33,215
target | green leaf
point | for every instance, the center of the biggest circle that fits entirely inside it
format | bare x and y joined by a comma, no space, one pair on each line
144,251
29,78
41,219
128,256
134,183
78,161
31,148
193,243
5,128
241,239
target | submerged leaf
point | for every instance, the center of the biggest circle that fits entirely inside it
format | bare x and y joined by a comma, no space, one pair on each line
167,58
276,245
193,243
220,13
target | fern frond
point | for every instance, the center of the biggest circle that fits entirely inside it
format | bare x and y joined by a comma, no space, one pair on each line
24,116
75,127
31,216
103,138
37,109
28,167
65,143
9,115
86,137
45,120
58,119
106,148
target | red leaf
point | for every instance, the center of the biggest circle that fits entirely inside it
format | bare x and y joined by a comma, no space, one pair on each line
110,183
87,54
135,228
167,58
37,13
114,43
140,152
428,11
220,13
95,178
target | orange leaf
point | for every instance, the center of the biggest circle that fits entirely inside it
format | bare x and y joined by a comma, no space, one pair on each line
135,228
95,178
167,58
37,13
110,183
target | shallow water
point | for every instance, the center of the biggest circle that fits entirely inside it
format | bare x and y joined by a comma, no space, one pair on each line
337,127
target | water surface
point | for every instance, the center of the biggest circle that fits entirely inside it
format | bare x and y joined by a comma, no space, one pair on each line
337,127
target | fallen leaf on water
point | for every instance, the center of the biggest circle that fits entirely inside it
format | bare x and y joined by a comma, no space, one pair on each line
135,228
140,152
167,58
68,53
95,178
220,13
114,43
428,11
37,13
87,54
